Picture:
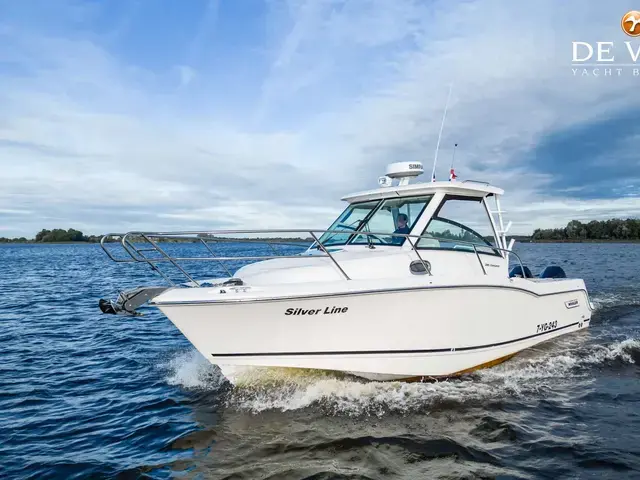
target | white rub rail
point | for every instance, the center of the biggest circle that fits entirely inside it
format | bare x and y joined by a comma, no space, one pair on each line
138,255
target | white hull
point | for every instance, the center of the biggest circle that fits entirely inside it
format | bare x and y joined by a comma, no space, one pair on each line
411,332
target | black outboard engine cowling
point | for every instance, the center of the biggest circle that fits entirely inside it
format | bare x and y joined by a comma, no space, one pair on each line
517,272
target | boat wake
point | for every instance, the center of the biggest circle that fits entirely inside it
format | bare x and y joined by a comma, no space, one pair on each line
562,367
606,300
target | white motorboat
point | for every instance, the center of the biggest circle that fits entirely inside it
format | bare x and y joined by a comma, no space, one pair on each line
411,281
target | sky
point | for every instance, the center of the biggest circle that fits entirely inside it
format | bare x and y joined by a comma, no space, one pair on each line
119,115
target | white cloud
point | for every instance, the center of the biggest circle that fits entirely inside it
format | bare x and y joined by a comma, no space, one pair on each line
89,140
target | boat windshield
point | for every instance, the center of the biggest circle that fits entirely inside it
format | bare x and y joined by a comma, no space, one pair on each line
382,217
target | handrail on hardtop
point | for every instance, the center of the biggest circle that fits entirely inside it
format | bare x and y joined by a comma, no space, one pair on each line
137,254
482,182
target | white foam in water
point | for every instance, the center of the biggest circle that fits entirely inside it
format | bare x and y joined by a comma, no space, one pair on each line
191,370
352,397
615,351
603,300
565,360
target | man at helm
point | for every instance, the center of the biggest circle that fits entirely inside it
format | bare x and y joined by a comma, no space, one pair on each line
402,228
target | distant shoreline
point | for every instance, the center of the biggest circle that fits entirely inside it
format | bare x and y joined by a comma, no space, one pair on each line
614,230
258,240
586,240
195,240
50,243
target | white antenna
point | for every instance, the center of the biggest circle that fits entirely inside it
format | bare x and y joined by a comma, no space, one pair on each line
435,160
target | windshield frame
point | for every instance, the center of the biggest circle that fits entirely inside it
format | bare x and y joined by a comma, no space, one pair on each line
336,231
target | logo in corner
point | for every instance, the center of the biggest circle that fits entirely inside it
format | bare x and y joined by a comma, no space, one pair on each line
631,23
610,58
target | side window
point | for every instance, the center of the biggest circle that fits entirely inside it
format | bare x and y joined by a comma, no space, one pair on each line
460,224
397,215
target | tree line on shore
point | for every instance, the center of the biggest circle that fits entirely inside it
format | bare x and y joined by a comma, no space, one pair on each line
57,235
614,229
575,231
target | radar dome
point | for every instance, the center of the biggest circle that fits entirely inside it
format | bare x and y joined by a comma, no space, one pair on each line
403,171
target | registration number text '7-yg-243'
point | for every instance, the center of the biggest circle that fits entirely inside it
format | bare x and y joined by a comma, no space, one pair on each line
544,327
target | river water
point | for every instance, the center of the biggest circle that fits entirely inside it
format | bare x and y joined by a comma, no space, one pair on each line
86,395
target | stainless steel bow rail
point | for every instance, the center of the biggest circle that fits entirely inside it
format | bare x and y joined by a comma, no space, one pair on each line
150,245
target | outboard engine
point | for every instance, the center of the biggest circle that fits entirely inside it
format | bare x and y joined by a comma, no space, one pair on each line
517,272
553,271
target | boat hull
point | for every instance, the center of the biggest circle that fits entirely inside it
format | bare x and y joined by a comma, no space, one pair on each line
405,334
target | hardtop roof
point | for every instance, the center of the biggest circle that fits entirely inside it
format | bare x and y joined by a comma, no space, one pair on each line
467,188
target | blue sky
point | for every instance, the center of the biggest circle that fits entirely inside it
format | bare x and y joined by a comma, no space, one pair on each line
155,114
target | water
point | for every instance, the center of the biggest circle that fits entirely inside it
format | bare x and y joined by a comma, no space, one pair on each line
89,395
